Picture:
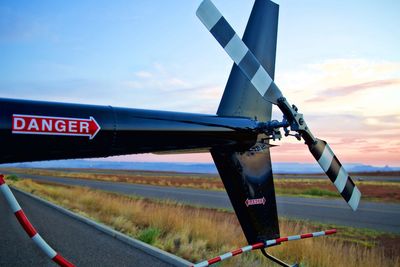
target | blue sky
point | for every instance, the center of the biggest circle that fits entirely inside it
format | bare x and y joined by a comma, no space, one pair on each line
157,55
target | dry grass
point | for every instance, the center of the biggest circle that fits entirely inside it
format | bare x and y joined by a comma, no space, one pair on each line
200,181
373,191
198,233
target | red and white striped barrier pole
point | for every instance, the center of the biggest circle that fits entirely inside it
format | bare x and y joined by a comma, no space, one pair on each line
265,244
28,227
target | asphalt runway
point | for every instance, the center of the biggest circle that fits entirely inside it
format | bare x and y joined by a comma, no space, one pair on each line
361,177
373,215
358,177
80,243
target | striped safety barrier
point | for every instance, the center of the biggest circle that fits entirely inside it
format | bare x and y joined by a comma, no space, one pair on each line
28,227
265,244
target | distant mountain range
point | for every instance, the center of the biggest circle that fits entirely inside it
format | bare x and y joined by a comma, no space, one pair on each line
280,167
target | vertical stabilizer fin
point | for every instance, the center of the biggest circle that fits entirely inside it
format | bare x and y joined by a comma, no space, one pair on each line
240,98
247,175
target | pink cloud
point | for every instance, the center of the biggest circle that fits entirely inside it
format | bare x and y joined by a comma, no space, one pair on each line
350,89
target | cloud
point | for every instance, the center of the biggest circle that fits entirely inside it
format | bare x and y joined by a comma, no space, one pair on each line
157,79
357,111
355,138
355,69
361,87
338,77
143,74
391,121
156,88
162,88
344,90
350,89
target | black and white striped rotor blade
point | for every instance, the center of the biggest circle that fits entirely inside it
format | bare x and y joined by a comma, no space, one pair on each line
238,51
336,173
258,76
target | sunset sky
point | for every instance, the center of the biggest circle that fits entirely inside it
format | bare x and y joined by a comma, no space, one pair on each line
338,61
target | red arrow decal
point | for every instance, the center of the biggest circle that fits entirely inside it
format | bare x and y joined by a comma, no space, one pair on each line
94,127
33,124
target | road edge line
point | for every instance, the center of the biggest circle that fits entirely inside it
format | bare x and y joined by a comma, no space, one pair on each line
144,247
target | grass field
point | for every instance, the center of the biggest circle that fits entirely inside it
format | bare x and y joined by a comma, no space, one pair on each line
290,185
198,233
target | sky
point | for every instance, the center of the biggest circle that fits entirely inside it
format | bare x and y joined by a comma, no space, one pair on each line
338,61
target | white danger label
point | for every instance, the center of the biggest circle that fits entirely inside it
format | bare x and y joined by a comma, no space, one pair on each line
255,201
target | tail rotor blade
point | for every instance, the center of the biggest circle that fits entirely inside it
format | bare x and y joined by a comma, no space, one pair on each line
336,173
260,79
238,51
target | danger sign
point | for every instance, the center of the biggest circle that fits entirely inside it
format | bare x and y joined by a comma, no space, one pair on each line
32,124
255,201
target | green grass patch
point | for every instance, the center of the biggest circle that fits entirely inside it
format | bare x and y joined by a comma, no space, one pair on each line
365,237
12,177
319,192
149,235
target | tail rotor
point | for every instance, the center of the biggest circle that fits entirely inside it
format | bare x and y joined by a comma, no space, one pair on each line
266,87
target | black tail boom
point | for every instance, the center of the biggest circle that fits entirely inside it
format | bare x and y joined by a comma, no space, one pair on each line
37,130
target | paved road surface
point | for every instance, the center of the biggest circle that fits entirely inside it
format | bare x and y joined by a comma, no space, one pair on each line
363,177
316,176
379,216
377,178
80,243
